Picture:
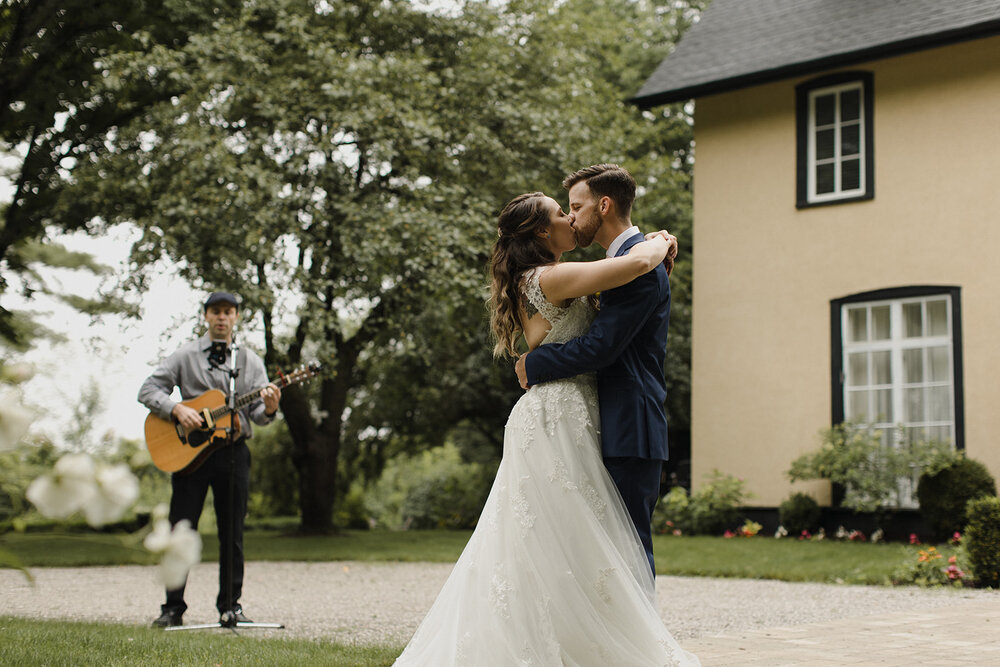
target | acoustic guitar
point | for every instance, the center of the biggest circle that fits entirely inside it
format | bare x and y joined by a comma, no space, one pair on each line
174,448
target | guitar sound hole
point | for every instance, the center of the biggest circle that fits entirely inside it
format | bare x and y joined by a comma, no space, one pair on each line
197,438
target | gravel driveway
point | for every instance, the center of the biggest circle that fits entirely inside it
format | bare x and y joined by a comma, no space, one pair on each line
365,603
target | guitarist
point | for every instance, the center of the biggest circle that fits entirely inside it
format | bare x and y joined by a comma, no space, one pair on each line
195,368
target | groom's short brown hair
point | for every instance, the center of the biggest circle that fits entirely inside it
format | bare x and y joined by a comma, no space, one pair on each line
607,180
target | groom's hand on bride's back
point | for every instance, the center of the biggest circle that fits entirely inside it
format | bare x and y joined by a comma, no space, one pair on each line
522,373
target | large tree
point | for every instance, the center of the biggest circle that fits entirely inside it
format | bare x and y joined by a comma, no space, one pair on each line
340,165
58,105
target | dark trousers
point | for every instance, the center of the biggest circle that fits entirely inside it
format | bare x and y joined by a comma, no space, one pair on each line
638,480
187,501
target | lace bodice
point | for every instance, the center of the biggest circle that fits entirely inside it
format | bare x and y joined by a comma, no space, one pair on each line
567,323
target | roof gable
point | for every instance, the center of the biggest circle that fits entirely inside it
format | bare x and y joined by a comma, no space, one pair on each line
739,43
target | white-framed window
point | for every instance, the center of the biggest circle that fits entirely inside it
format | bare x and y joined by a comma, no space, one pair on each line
836,142
835,157
898,361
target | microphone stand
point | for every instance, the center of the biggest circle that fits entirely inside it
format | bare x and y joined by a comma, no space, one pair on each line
228,618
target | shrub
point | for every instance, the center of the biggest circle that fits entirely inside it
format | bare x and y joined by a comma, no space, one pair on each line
982,539
930,567
944,495
434,489
800,512
855,457
715,505
672,514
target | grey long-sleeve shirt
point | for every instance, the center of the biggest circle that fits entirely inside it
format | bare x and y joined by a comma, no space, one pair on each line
189,370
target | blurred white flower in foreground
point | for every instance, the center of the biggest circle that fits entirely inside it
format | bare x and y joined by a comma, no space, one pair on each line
14,419
66,489
76,482
180,548
117,488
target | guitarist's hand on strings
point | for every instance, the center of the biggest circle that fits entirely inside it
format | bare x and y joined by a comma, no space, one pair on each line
271,395
187,417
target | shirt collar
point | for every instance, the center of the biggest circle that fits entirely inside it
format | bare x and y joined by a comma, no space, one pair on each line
620,240
206,343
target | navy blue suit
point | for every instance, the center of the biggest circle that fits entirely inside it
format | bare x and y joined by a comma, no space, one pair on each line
626,346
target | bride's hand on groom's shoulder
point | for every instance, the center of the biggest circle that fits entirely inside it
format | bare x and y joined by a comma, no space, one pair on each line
672,245
522,373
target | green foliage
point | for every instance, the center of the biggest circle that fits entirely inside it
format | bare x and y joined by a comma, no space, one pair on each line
434,489
710,510
944,495
327,156
932,567
982,539
855,457
671,515
273,482
798,513
59,105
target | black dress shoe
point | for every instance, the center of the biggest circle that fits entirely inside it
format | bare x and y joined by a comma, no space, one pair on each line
169,619
234,616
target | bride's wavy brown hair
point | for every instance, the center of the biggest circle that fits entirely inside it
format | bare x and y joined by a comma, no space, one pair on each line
518,248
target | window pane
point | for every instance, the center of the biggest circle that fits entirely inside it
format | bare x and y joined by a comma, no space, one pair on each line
912,321
824,178
939,433
913,366
913,405
824,144
825,109
883,405
881,328
850,105
857,369
850,175
939,404
857,405
940,368
882,367
857,324
850,143
937,317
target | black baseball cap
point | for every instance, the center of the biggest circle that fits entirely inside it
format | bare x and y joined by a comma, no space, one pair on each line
216,298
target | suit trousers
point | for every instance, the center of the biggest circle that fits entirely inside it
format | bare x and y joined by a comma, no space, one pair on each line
223,466
638,481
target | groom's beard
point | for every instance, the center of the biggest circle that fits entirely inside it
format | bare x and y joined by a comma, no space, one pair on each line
586,230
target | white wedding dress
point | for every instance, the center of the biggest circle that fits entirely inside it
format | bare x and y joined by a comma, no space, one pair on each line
554,573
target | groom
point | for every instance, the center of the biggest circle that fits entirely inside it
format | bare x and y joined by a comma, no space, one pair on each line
626,345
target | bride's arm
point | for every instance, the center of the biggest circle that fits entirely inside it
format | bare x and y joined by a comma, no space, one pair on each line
569,280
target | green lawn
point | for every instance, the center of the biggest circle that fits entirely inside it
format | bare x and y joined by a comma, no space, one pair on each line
758,557
32,642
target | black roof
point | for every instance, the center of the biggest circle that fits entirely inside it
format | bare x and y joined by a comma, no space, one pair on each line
739,43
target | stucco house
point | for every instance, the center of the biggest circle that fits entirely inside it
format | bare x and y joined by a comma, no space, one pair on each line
846,235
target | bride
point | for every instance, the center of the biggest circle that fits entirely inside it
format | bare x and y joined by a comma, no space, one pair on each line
554,573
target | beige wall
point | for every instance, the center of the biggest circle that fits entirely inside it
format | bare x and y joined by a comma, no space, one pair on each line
765,272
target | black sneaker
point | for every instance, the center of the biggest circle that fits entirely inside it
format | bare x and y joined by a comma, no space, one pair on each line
169,619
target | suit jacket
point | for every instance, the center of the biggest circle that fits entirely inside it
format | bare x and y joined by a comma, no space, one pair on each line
626,345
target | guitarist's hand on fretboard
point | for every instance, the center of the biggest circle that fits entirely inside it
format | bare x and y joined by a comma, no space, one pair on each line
187,417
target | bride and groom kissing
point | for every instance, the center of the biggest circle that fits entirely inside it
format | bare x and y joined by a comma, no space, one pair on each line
559,570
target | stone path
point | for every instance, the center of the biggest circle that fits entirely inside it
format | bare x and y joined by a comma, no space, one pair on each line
723,621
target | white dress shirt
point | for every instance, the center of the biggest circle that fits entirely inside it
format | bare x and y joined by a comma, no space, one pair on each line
620,239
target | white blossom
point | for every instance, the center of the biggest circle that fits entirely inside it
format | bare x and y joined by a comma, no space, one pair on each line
14,419
116,489
180,549
71,485
781,532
